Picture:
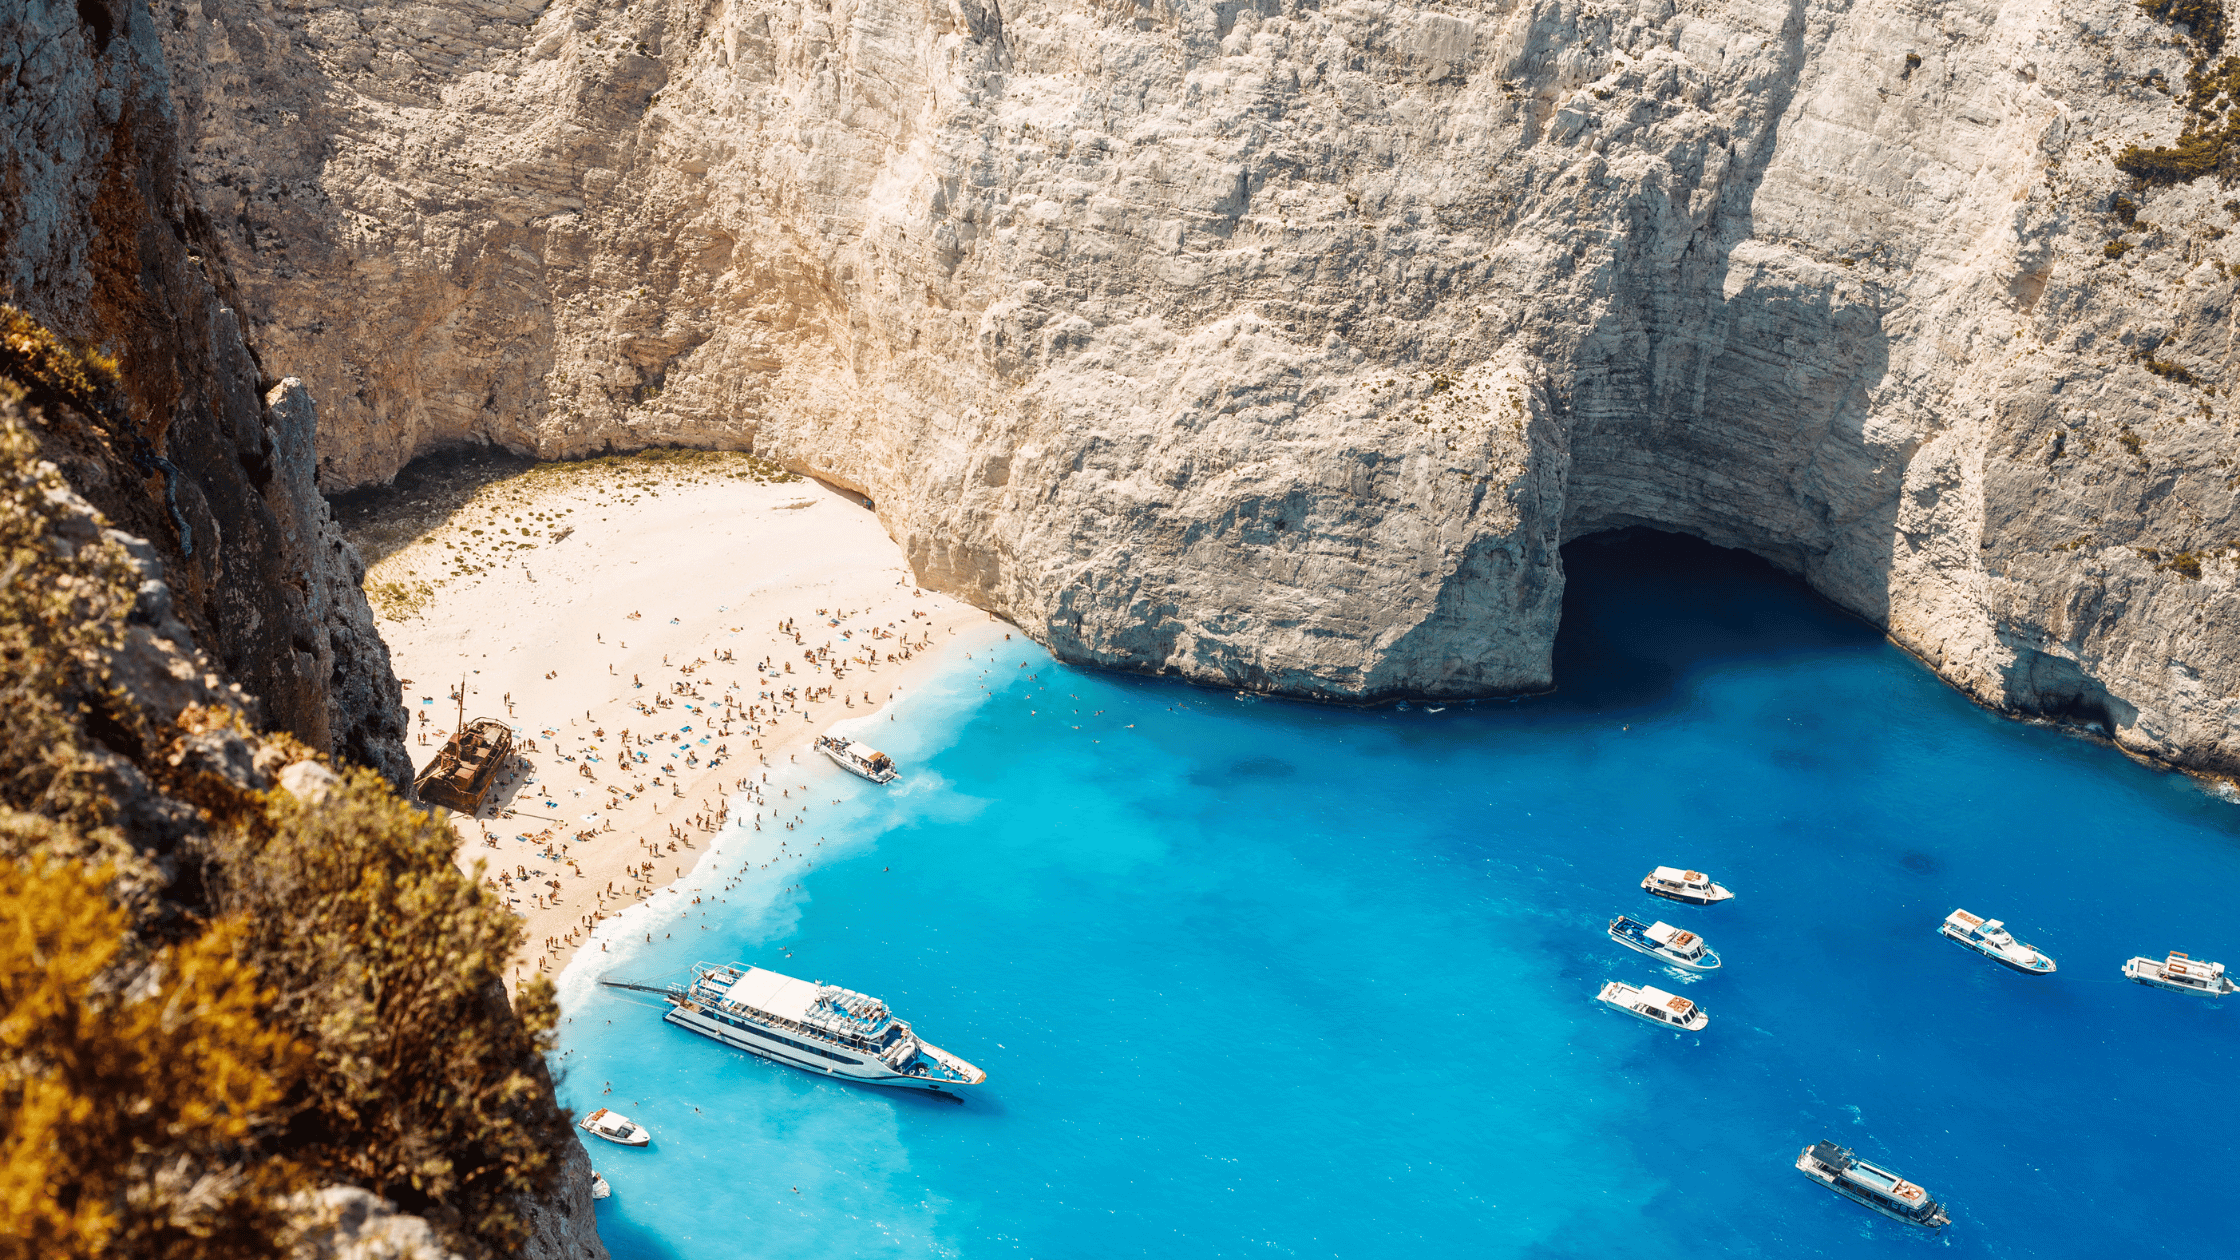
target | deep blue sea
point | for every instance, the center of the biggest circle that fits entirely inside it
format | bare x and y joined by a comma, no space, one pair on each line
1255,978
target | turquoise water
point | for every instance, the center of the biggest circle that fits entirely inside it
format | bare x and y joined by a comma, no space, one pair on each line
1253,978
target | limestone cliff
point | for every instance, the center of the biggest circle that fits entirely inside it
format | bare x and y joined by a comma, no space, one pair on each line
1281,343
101,241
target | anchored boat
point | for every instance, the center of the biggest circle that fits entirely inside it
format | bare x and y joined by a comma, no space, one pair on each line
1667,1010
1990,938
2181,974
460,776
810,1025
614,1127
1689,888
858,758
1664,942
1878,1188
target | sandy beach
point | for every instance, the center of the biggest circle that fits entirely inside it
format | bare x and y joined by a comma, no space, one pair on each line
660,635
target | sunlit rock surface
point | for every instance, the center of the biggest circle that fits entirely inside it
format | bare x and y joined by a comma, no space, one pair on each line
1280,344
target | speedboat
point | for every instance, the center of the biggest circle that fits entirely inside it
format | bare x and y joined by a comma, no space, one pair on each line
614,1127
2181,974
1878,1188
599,1187
858,759
1664,942
1668,1010
1689,888
1990,938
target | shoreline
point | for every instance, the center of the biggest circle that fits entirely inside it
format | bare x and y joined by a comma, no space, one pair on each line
651,664
705,845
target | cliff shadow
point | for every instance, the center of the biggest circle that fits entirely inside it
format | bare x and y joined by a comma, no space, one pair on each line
629,1238
382,520
1645,610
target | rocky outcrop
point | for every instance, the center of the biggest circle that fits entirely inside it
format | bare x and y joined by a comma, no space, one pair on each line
346,1223
564,1225
1191,336
102,242
189,458
141,766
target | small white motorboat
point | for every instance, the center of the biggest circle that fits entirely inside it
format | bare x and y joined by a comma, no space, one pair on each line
1689,888
599,1187
1668,1010
1664,942
1990,938
614,1127
858,759
2181,974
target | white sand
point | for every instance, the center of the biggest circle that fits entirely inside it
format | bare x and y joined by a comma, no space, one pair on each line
668,577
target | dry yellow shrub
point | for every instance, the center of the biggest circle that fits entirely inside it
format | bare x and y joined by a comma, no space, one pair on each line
131,1088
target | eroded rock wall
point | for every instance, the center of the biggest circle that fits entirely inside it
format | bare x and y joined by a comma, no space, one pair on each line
1281,343
102,242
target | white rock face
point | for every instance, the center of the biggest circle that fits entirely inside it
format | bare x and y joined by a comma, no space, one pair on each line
346,1223
1282,344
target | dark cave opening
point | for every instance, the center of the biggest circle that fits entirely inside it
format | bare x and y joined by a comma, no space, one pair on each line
1643,609
95,14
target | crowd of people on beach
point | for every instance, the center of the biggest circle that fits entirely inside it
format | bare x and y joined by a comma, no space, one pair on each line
679,759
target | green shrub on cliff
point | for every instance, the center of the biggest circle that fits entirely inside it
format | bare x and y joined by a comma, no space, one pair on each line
2206,145
424,1089
376,955
2204,17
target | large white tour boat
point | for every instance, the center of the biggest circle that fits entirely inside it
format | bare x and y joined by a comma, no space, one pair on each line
1878,1188
810,1025
2181,974
1668,1010
1990,938
1665,942
855,758
1689,888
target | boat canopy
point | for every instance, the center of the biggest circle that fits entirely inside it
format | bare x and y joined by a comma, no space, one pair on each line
1667,935
824,1006
1962,919
1670,1001
865,753
1872,1175
1674,875
773,994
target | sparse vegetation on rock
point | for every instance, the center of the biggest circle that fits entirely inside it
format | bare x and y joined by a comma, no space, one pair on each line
2206,144
213,992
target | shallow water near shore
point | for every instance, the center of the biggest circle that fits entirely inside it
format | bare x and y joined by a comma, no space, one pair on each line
1259,978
